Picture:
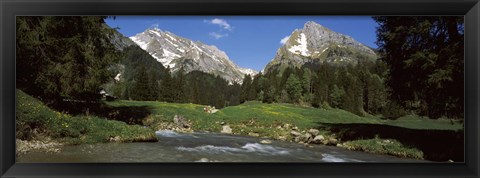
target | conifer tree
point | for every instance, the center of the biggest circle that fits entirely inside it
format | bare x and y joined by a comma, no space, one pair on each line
294,88
180,86
167,87
63,56
141,87
307,85
254,88
425,56
246,85
336,96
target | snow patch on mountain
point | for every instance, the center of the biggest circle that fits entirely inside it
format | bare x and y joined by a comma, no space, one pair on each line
170,55
156,33
139,42
301,48
250,72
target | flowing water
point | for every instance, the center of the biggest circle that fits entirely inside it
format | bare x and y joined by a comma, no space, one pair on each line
203,147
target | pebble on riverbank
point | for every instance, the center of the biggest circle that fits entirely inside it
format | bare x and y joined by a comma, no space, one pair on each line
203,160
266,141
49,146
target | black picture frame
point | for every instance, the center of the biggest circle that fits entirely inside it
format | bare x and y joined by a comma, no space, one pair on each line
10,8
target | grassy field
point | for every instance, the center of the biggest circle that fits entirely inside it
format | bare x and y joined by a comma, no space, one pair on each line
273,114
410,136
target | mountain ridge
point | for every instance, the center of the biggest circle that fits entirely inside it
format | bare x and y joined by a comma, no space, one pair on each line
176,52
315,43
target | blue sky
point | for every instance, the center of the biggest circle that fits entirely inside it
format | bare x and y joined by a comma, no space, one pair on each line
249,41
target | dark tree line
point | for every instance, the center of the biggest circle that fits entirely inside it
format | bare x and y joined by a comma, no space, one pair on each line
178,87
425,56
356,88
139,72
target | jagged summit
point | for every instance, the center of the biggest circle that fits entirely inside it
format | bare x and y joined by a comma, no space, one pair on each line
175,52
314,25
315,43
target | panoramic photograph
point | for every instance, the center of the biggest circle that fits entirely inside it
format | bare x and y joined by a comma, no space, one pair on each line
239,89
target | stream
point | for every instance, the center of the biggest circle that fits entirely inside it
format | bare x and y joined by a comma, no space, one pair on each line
205,147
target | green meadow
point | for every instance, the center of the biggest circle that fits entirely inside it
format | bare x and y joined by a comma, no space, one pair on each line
273,121
274,114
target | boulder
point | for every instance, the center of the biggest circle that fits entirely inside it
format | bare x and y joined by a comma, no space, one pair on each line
314,132
283,138
295,133
308,137
332,141
114,139
180,121
301,138
226,129
318,139
297,139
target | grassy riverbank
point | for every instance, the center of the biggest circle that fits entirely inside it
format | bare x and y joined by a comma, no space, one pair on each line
410,136
38,123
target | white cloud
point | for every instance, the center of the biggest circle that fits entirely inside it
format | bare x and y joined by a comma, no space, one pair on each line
218,35
223,24
220,22
284,40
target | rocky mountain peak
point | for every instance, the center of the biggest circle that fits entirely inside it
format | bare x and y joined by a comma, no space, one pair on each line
315,43
175,52
313,25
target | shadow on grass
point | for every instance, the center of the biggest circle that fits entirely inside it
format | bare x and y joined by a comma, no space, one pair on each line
128,114
437,145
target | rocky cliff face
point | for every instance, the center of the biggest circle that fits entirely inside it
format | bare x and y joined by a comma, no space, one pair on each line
119,41
315,43
175,52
